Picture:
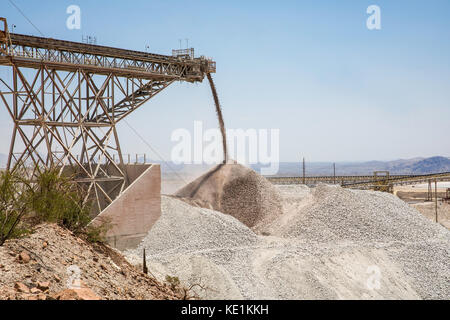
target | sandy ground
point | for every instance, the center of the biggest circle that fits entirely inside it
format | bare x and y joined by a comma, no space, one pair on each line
419,192
428,210
416,196
440,185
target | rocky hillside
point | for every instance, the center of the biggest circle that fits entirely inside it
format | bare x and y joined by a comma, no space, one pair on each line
428,165
52,263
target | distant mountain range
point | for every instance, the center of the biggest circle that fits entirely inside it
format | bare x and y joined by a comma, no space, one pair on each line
424,166
402,166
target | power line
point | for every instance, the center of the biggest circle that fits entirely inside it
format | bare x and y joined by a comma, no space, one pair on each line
134,130
23,14
156,152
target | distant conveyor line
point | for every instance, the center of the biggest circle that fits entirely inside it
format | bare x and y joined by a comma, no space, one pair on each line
362,181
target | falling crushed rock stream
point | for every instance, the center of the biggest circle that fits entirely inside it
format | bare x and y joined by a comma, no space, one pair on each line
219,116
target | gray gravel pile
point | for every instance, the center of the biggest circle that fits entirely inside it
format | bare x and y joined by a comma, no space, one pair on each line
200,246
337,214
427,263
419,247
323,246
235,190
183,228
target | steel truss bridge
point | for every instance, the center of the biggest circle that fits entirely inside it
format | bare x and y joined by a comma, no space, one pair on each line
65,99
363,181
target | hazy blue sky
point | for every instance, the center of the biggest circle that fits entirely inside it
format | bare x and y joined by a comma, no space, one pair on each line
336,90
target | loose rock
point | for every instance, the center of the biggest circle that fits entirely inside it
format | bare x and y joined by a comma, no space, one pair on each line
77,294
24,257
20,287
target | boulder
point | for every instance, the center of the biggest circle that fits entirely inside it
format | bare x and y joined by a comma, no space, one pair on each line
43,286
20,287
24,257
77,294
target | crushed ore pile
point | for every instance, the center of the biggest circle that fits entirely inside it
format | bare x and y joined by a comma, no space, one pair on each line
337,214
329,243
236,190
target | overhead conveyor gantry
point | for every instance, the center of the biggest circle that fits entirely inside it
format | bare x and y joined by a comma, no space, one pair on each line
65,98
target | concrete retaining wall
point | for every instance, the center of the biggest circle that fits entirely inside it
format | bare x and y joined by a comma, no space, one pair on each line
134,212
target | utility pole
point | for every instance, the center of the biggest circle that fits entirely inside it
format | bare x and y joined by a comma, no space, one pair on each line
334,172
304,177
435,199
430,192
144,264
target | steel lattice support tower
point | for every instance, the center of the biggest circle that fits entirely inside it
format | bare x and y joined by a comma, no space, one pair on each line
65,99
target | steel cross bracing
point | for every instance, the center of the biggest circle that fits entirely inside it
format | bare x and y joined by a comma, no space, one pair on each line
65,99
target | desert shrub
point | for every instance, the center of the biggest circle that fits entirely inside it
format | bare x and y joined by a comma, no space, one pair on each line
56,199
14,205
50,197
174,282
187,293
97,233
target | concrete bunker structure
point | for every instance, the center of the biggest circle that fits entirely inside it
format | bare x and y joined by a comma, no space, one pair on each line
132,213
